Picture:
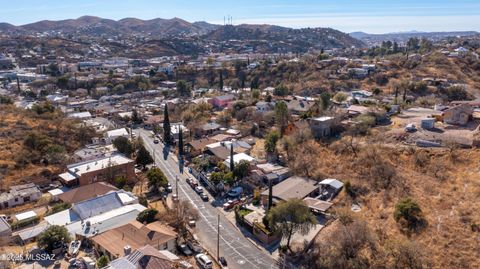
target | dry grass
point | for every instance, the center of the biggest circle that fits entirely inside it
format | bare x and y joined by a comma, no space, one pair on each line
449,203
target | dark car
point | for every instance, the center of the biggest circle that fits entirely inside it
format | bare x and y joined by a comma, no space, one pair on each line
156,141
196,248
185,250
223,261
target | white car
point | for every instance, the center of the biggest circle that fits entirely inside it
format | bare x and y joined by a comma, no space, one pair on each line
410,128
199,189
204,261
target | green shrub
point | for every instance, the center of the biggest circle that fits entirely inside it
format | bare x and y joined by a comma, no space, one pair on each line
408,214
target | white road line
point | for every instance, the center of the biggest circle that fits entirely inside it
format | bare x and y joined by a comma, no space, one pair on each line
202,214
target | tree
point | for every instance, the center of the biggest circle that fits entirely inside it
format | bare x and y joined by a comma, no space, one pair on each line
281,116
220,83
102,261
53,237
271,141
156,179
147,216
407,254
280,91
413,44
143,156
180,142
290,217
136,118
325,100
167,132
183,88
123,145
340,97
232,162
241,169
408,214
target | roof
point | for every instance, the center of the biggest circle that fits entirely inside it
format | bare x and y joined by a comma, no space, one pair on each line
225,97
146,257
293,187
86,192
200,144
80,115
238,158
32,232
4,226
317,204
221,137
78,169
324,118
210,126
135,235
299,105
220,152
97,205
357,109
337,184
26,215
117,132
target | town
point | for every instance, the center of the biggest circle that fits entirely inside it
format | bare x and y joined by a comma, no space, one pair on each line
242,152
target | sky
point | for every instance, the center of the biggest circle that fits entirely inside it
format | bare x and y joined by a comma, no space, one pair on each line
371,16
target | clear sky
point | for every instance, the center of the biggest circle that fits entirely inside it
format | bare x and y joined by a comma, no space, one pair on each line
373,16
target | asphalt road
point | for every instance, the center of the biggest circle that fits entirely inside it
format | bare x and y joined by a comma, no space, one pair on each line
238,251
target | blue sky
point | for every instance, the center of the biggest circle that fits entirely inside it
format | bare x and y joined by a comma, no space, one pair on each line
373,16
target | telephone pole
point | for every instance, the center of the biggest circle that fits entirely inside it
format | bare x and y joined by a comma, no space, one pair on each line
218,237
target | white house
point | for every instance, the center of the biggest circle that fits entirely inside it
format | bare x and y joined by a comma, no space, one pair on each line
20,194
113,134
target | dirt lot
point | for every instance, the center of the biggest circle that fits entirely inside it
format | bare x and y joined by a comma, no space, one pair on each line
442,133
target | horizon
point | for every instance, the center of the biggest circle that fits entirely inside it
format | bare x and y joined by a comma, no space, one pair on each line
370,16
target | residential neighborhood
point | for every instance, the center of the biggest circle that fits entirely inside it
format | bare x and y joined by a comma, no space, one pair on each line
165,143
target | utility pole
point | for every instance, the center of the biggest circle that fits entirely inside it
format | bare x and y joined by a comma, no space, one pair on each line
218,237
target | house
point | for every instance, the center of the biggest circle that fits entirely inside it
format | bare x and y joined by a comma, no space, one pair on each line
298,107
86,192
80,115
122,240
321,126
101,169
146,257
222,101
329,188
270,171
19,195
94,216
263,107
355,110
290,188
217,154
175,131
111,135
358,73
209,128
196,147
25,216
5,232
458,115
237,158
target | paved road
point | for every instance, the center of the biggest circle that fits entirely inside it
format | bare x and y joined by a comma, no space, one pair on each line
238,251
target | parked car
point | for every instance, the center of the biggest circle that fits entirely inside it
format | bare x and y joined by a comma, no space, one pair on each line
198,189
230,204
185,250
169,187
192,182
204,196
156,141
204,261
223,261
191,222
410,128
174,197
196,248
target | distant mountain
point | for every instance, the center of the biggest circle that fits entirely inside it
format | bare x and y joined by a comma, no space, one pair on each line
90,25
254,37
401,37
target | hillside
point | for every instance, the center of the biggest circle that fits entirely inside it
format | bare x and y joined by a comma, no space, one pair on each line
90,25
33,146
375,39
